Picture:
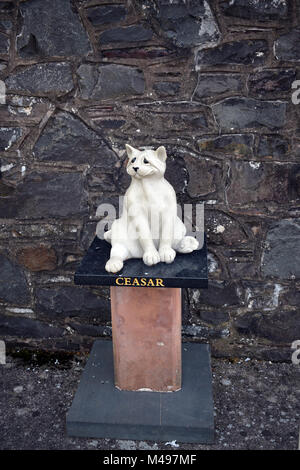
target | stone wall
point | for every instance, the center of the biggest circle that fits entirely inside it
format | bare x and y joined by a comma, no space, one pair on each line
212,81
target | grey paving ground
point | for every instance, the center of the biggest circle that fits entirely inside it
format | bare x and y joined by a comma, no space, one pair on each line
257,406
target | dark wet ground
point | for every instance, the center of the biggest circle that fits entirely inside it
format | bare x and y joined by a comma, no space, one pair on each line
257,406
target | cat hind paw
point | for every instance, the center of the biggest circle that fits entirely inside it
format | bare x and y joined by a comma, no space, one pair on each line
187,245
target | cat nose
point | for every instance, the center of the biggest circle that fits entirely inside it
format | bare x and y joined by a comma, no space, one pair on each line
135,168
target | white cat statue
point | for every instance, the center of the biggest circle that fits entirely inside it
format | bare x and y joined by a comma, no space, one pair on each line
149,227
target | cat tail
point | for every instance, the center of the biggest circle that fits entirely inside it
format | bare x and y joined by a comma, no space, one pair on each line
107,236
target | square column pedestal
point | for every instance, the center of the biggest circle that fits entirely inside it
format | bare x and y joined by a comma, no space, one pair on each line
146,325
145,384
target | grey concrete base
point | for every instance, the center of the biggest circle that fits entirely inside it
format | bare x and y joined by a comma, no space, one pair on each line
101,410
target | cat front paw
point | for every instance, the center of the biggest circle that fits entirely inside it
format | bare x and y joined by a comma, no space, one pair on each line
151,257
114,265
167,254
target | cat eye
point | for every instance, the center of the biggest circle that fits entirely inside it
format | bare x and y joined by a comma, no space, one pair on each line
133,160
145,160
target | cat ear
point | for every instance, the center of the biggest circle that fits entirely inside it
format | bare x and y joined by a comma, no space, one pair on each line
161,153
130,150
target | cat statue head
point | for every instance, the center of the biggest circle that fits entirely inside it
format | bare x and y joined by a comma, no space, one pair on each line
146,163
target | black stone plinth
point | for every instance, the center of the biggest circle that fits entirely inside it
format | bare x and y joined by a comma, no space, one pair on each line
187,270
99,409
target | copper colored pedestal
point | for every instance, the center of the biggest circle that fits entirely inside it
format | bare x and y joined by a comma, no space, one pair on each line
146,325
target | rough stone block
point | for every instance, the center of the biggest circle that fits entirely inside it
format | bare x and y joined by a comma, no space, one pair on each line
72,301
53,77
4,44
38,258
241,113
240,145
186,24
67,138
13,284
46,33
259,181
8,136
109,81
128,34
27,328
105,14
210,85
46,194
261,10
270,83
244,52
286,47
218,294
281,257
